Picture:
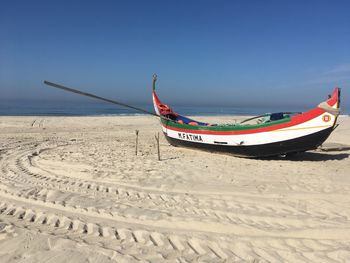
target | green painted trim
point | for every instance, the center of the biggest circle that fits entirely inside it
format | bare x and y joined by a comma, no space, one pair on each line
233,127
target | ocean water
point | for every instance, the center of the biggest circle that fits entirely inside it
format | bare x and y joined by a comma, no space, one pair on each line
89,108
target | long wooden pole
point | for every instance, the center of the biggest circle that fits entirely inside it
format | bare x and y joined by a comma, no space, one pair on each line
58,86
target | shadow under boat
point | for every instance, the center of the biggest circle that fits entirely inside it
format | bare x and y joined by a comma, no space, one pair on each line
311,156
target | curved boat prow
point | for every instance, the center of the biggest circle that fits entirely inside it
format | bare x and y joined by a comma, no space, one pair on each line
334,100
332,105
156,100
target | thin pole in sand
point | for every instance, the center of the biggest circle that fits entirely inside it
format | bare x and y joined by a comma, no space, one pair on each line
157,139
137,140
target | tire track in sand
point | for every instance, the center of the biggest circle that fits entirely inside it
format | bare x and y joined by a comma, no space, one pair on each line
268,221
161,241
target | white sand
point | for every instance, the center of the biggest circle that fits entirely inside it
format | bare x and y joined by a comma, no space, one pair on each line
72,190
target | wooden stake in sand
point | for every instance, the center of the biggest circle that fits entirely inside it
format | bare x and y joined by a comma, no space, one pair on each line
137,140
157,139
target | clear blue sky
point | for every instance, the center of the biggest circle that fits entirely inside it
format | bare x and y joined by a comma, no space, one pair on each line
204,52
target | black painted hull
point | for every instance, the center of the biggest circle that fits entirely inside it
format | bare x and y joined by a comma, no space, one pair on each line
300,144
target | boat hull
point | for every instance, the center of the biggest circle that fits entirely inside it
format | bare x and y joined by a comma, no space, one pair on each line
282,133
299,144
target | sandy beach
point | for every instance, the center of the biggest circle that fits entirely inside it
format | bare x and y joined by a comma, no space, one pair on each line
72,189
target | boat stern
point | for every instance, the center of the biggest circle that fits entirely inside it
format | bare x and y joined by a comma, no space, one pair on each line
331,107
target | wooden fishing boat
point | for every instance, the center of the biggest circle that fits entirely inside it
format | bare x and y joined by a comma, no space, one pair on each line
273,134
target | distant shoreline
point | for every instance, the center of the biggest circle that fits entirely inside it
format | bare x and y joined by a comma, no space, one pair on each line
104,109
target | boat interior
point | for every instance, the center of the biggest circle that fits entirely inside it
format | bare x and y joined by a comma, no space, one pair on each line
261,119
